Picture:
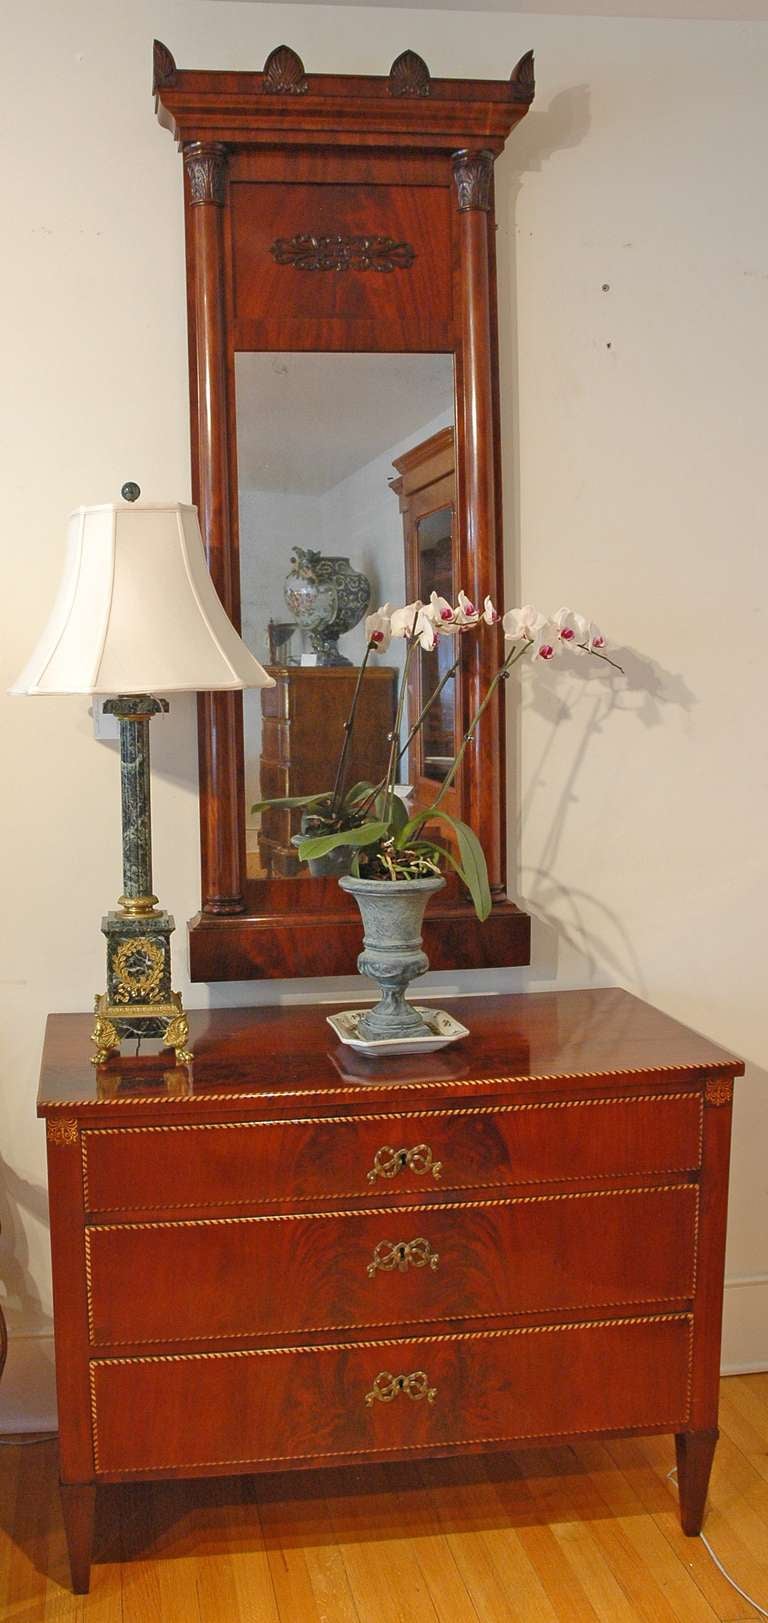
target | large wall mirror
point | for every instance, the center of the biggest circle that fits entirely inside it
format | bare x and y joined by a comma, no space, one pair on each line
346,501
345,438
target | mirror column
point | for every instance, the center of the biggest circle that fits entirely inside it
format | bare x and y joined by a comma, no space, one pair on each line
476,498
220,720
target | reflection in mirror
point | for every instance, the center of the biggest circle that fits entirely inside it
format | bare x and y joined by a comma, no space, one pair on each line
346,500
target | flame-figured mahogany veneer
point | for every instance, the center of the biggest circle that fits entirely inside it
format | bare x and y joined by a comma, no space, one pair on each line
277,1258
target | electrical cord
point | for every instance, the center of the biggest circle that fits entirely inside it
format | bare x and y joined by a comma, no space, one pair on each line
719,1564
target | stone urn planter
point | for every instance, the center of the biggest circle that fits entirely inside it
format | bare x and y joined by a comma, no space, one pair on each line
392,913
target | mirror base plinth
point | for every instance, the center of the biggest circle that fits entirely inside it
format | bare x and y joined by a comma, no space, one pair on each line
321,935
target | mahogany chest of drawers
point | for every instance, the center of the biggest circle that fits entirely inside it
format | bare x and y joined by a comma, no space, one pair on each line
281,1257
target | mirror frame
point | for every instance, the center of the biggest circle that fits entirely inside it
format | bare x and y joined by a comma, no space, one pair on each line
396,133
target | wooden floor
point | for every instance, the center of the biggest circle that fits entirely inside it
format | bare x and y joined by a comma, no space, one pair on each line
549,1536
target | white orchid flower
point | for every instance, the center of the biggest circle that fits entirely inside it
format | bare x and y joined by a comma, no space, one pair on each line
378,628
414,620
441,614
466,613
595,637
425,632
572,629
491,615
523,624
402,620
546,644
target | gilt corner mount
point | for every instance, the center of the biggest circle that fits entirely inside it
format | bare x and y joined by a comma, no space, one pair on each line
355,215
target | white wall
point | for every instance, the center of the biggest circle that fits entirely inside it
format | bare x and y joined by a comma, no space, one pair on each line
634,488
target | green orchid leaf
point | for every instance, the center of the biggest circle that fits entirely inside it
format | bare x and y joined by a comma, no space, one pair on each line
291,801
471,866
398,814
359,791
318,845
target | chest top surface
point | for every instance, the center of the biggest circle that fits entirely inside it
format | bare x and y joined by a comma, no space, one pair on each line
287,1058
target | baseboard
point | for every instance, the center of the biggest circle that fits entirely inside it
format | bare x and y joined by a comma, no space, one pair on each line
745,1325
28,1387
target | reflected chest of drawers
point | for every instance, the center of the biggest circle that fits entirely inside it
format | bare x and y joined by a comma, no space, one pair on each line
278,1258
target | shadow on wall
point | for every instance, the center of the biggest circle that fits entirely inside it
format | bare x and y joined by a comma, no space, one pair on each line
565,123
22,1304
594,931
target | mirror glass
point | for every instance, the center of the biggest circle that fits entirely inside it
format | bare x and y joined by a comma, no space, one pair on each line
346,501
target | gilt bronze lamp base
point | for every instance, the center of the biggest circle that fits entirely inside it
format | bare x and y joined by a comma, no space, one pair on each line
138,1001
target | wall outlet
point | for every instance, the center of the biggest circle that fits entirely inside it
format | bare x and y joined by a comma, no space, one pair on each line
105,728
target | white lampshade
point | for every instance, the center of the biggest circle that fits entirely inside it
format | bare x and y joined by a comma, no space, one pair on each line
137,611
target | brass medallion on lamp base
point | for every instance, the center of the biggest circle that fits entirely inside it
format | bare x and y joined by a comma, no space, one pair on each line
138,1001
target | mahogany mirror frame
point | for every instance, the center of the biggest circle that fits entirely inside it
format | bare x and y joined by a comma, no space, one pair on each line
388,137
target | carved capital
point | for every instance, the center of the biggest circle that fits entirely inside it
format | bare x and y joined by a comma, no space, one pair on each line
163,67
409,75
206,168
719,1090
522,79
284,73
62,1130
473,176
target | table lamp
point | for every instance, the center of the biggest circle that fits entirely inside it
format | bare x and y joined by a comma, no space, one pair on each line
137,614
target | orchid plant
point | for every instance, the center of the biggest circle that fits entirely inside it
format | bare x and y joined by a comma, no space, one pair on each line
372,819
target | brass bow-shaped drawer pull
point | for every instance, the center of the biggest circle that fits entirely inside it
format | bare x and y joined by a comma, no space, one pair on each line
406,1253
387,1162
386,1387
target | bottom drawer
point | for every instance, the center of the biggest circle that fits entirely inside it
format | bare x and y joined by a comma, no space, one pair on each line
308,1404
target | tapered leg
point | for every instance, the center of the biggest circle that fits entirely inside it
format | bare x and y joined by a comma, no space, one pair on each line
78,1503
695,1452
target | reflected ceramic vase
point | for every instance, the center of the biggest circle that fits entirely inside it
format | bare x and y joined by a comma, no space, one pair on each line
392,913
328,598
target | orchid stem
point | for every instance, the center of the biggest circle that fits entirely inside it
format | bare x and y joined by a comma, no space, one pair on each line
501,673
365,804
430,701
393,755
338,787
597,655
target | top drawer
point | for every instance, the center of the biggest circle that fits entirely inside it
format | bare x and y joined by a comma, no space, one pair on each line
341,1157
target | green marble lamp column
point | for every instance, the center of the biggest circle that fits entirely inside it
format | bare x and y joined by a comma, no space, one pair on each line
138,1001
134,714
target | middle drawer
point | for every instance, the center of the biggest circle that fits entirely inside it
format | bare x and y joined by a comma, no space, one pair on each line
215,1278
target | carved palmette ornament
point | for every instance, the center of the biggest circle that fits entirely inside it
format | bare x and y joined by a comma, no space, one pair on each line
409,75
163,67
206,169
473,175
337,253
284,73
522,78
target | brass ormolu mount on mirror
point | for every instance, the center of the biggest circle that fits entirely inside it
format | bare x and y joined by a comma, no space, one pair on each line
354,216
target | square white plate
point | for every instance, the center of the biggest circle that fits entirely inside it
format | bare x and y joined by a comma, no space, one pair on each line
443,1029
